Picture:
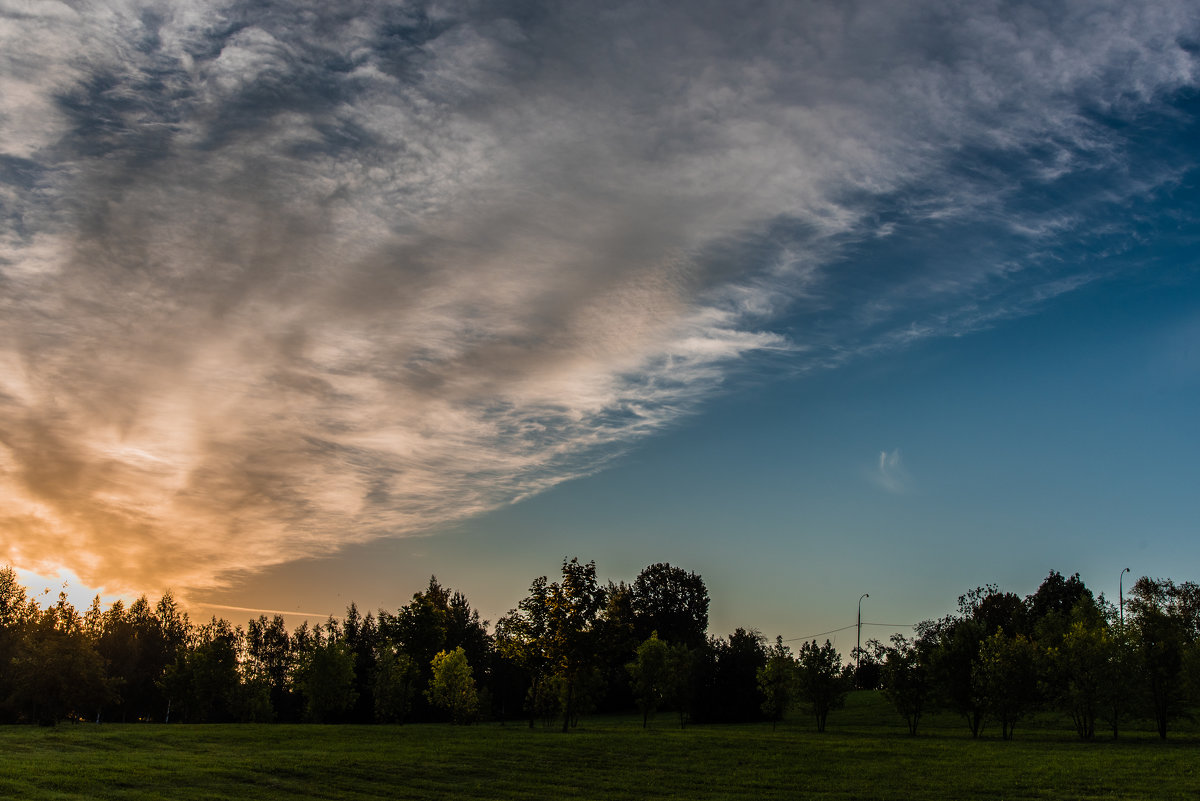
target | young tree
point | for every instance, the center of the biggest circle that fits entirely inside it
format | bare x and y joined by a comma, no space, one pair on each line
56,672
118,647
327,681
777,681
522,637
681,663
1165,620
202,685
952,667
554,630
1191,672
452,687
1007,678
905,677
17,611
361,636
956,640
145,651
575,603
1119,680
821,682
436,619
270,661
1078,672
395,685
732,666
1160,646
173,625
649,675
868,665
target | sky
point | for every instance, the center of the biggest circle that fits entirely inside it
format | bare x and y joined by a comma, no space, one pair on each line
302,303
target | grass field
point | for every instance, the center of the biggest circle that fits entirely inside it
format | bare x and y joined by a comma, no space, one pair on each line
864,754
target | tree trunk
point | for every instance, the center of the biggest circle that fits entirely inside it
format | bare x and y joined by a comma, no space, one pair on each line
975,721
533,700
568,706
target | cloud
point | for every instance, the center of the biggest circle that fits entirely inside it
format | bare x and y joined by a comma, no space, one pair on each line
280,277
891,474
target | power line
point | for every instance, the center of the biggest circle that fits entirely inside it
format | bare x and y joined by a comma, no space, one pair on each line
822,634
851,626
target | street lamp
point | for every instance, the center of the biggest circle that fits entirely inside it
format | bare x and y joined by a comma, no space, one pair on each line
1121,597
858,648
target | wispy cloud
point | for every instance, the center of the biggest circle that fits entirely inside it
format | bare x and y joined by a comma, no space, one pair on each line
891,474
279,277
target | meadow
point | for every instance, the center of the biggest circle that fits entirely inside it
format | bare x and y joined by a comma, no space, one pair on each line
865,754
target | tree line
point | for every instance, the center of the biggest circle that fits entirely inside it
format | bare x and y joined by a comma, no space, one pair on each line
575,646
1000,658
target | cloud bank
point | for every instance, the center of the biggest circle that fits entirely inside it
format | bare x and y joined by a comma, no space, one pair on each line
280,277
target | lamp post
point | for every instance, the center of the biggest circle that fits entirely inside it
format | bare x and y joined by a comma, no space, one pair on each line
1121,598
858,648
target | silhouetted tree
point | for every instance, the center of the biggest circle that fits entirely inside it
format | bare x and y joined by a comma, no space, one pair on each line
270,661
1006,678
681,664
649,675
1079,668
522,636
575,603
17,611
362,639
437,619
955,656
868,665
326,680
997,610
952,667
56,673
553,631
1050,609
673,602
821,682
395,685
777,681
1163,619
735,690
203,685
616,641
906,678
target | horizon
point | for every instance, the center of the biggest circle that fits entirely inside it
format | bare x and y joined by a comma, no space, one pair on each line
294,619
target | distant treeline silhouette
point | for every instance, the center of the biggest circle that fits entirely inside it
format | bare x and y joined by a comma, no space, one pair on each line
574,646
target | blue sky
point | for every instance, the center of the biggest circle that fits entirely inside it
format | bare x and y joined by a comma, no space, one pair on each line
1063,440
299,305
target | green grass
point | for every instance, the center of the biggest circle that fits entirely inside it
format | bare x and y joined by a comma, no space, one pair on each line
866,754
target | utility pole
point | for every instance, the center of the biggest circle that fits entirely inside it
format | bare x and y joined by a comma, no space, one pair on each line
858,648
1121,598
